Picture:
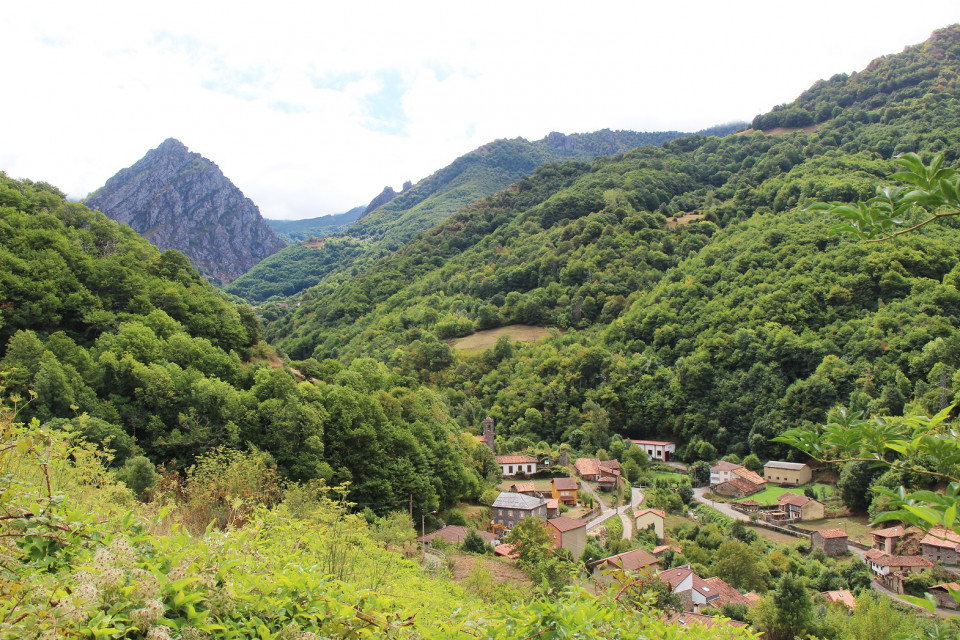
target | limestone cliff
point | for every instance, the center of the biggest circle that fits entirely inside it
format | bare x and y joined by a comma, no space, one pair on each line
180,200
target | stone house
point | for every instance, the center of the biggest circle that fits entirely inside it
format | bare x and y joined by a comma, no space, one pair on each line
644,518
799,507
832,541
787,473
527,488
944,598
565,490
511,508
887,540
517,464
568,533
940,545
736,487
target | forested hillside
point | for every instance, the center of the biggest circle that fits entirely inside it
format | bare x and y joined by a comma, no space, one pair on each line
387,227
721,331
97,323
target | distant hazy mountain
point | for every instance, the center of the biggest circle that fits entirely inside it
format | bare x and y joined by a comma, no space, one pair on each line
298,230
180,200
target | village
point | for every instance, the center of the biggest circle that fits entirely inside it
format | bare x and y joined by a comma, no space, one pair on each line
584,497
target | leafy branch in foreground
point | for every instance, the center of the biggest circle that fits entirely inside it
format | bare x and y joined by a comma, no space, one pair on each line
933,193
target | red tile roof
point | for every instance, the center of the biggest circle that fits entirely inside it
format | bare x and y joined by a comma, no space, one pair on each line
728,594
675,576
833,533
687,619
750,503
642,512
629,561
794,499
661,443
553,504
902,561
587,466
842,595
566,484
664,547
941,538
564,524
892,532
524,487
745,486
750,476
951,586
516,459
506,550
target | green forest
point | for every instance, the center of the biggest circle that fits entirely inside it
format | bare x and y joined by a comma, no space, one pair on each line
184,462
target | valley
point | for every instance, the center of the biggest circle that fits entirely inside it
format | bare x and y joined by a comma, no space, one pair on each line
657,326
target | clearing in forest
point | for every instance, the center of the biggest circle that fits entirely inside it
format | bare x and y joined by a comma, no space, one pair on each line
488,337
686,218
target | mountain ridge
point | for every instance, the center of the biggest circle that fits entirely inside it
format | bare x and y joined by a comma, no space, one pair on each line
180,200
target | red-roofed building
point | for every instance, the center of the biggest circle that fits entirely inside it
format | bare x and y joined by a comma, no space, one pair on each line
832,541
800,507
565,490
945,599
751,477
527,488
940,545
722,472
728,594
645,518
735,487
887,539
553,508
631,562
594,469
507,551
568,533
693,590
841,595
513,464
689,619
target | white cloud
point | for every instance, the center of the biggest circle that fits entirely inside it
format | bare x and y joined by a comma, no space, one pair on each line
288,98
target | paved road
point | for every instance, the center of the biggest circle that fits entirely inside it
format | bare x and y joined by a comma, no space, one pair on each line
605,512
625,512
722,507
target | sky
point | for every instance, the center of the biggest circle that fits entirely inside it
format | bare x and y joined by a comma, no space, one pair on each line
311,108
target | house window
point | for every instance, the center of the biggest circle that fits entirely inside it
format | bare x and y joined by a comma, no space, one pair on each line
499,512
529,468
509,469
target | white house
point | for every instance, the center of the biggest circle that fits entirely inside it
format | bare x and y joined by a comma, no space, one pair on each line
657,449
723,472
512,465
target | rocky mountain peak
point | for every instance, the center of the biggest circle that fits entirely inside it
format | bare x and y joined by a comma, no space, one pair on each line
180,200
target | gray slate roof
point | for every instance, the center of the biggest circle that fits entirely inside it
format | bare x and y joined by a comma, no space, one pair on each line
507,500
793,466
